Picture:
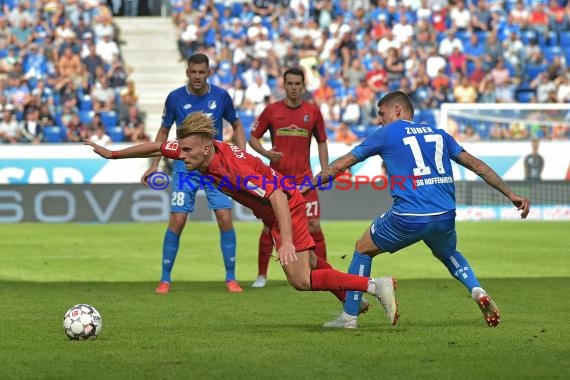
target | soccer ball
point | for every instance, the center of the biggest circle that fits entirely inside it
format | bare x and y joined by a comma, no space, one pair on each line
82,322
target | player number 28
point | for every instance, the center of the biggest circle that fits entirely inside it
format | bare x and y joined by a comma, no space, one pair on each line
177,198
421,168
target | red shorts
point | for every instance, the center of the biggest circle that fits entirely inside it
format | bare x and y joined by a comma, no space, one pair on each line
301,236
313,205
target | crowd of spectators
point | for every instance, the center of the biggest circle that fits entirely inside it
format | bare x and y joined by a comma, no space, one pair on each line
62,77
485,51
61,74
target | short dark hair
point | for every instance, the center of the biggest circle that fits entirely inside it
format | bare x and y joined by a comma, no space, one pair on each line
198,58
294,71
398,98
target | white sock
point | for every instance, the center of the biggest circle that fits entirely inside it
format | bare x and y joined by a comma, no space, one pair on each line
371,287
347,317
475,291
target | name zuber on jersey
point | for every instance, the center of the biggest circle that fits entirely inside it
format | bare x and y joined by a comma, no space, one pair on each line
416,130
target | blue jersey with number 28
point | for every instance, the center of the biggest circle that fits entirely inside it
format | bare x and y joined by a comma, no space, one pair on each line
216,103
419,150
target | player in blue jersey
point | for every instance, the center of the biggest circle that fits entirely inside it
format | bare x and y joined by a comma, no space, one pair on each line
418,161
215,102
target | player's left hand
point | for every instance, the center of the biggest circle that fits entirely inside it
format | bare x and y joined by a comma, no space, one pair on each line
274,156
521,203
101,151
286,253
305,189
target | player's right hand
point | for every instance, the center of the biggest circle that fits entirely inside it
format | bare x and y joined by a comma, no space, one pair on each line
521,203
101,151
274,156
144,178
286,253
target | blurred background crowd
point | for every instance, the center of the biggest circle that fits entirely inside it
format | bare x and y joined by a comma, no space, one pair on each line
61,74
62,77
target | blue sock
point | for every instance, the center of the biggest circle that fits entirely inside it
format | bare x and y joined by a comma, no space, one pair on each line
460,269
169,251
360,265
228,245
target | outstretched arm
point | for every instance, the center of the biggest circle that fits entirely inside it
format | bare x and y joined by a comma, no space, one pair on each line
144,150
331,171
280,205
492,178
272,155
239,134
323,154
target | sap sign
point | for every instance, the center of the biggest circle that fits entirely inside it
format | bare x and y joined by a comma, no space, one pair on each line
65,164
82,203
57,171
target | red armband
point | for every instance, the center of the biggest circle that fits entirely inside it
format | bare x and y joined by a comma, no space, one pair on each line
170,149
114,154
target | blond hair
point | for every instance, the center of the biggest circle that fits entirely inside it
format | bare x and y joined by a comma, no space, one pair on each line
197,123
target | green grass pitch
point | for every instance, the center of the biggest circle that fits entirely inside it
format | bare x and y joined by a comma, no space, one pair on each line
199,331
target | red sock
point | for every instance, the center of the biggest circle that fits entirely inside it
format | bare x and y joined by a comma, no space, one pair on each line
322,264
331,279
264,253
320,246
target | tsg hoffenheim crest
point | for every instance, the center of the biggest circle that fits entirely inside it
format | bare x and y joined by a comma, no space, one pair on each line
212,104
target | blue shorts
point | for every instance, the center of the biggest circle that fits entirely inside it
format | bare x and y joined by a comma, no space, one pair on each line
184,196
391,232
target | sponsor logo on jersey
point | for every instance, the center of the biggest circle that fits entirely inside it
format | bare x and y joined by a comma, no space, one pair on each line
212,104
187,106
255,188
292,130
171,145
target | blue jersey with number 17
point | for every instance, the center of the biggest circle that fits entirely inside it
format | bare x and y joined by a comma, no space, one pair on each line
419,150
216,103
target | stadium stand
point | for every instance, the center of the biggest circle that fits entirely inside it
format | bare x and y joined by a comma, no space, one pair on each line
54,56
57,52
518,40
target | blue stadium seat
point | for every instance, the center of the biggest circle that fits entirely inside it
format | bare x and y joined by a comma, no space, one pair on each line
335,84
115,133
550,52
463,36
427,116
85,103
237,9
512,69
565,39
86,116
57,119
527,36
247,120
482,35
109,119
483,129
54,134
362,131
470,67
532,71
524,95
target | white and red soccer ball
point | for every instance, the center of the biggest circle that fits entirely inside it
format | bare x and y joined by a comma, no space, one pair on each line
82,322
